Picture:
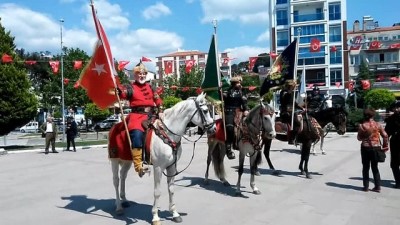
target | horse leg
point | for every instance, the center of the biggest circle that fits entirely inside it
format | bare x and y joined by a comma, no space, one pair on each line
126,165
301,161
267,150
157,193
211,147
218,160
171,171
306,151
254,160
240,171
114,167
322,145
313,151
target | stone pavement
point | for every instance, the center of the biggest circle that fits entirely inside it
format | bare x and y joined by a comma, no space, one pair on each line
76,188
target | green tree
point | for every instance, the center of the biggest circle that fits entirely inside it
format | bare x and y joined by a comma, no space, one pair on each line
95,114
18,104
379,98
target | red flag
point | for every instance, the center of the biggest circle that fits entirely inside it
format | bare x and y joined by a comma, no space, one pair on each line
98,76
122,64
396,45
168,67
351,86
226,61
310,85
333,49
365,84
6,58
315,45
273,55
77,64
145,59
252,61
374,45
76,85
66,81
54,66
30,62
189,65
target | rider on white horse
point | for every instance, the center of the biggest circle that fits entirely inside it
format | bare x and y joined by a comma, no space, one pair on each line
143,100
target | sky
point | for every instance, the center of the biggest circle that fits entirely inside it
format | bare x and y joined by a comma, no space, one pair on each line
149,28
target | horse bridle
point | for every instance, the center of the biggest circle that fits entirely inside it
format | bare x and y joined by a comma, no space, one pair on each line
256,144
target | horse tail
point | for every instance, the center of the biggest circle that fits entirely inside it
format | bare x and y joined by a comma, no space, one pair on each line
217,155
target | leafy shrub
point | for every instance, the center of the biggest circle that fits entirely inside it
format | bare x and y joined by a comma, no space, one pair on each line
170,101
354,118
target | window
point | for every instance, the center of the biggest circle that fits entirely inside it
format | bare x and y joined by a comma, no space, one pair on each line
355,60
334,11
311,58
335,34
281,17
282,38
309,32
281,2
336,57
336,76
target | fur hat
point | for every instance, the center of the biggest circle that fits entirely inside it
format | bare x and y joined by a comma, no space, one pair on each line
139,68
236,79
290,83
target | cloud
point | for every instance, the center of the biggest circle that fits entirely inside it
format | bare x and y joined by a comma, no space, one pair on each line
243,11
264,37
156,11
243,53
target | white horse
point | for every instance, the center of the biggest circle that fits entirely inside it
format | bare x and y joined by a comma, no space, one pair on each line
166,149
261,119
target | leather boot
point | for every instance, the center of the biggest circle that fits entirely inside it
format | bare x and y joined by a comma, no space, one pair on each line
229,153
137,161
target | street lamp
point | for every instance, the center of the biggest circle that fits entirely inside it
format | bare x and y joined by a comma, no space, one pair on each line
62,81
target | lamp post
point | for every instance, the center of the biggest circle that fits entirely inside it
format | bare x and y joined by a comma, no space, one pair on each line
62,81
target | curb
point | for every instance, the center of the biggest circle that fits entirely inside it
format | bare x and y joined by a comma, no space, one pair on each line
59,149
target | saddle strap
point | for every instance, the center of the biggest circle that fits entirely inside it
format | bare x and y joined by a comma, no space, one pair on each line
160,132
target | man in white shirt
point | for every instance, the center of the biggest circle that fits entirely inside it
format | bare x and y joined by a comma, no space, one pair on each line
50,129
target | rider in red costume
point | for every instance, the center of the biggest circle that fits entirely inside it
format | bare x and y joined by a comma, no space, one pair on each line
144,102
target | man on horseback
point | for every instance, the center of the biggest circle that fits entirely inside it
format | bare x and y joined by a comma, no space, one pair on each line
235,107
144,102
314,101
286,109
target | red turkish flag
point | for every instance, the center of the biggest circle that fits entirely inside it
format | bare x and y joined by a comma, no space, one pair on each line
6,58
396,45
315,45
252,62
226,61
30,62
365,84
98,77
77,64
54,66
189,65
356,43
333,49
145,59
374,45
168,67
122,64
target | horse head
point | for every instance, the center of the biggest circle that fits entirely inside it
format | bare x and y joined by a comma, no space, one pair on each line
202,116
262,118
339,119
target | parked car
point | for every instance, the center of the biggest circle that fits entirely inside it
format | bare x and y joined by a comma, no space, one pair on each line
30,127
105,124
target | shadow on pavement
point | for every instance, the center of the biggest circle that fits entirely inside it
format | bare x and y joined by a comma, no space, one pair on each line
213,185
132,214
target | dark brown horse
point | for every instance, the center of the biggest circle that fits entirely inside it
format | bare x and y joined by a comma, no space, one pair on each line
310,134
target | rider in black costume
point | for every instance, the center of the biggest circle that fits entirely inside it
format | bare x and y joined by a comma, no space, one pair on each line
314,101
392,128
235,106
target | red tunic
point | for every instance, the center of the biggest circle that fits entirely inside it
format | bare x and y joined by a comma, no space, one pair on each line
143,96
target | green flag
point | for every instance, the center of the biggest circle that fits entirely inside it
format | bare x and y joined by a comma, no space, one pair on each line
211,82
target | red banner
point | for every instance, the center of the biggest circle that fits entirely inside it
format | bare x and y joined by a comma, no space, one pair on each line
168,66
54,66
315,45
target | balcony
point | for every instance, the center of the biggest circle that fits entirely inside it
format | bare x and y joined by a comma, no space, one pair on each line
308,17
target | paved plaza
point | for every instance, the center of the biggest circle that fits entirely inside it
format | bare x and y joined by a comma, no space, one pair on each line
76,188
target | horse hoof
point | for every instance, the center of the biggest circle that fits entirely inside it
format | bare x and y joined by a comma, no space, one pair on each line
158,222
177,219
257,173
238,194
125,204
257,192
308,176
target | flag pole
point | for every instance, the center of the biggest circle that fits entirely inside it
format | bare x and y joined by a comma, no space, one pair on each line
295,75
219,76
113,72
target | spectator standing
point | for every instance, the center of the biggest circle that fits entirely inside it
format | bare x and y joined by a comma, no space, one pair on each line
392,128
71,131
50,129
369,132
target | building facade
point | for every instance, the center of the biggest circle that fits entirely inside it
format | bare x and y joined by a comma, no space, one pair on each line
306,20
172,63
379,48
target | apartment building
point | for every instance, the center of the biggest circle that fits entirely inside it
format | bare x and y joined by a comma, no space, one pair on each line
173,62
379,48
305,20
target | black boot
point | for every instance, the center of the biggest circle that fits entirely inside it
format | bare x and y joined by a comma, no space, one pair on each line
229,153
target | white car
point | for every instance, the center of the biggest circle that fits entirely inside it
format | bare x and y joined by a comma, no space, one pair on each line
30,127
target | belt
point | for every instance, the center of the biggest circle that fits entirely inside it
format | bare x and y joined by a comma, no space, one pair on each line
145,109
